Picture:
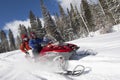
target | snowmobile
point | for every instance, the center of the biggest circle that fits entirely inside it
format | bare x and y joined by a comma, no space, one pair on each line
64,49
60,54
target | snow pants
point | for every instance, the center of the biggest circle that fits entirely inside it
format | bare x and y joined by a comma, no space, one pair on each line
36,52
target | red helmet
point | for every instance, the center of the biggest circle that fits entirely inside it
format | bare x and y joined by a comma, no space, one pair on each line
24,37
32,35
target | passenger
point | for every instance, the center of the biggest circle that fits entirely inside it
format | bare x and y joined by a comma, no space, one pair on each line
24,46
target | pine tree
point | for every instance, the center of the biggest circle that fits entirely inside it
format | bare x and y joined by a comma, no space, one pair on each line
49,24
36,25
4,41
86,13
33,21
29,30
62,21
11,40
107,13
18,42
99,17
114,7
77,22
65,25
58,23
22,30
40,31
74,21
83,28
1,50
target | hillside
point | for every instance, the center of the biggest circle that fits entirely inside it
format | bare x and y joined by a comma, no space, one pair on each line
102,66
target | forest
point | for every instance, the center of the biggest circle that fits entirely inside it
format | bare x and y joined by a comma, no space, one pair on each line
66,26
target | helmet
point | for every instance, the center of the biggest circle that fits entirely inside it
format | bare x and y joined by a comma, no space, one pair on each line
32,35
24,37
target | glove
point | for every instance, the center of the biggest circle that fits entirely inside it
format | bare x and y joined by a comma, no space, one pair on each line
27,53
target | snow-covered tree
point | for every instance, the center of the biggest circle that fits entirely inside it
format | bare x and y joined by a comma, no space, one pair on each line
98,16
18,42
49,24
33,21
87,16
107,12
114,7
75,24
36,25
4,41
65,25
11,40
83,27
40,31
22,29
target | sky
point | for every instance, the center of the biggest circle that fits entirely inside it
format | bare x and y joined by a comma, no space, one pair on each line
12,10
102,66
15,12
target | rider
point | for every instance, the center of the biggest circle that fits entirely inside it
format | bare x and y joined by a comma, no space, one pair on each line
24,46
35,44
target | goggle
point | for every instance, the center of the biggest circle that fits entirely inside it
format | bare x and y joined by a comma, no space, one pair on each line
25,39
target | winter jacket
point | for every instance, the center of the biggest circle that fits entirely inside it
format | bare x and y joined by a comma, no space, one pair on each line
24,47
35,43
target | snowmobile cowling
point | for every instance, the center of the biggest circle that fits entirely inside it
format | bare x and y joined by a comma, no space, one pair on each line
58,48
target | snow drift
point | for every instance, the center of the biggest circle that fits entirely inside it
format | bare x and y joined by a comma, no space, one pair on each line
102,66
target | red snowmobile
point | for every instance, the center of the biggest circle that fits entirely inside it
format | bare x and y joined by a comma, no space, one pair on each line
64,49
60,54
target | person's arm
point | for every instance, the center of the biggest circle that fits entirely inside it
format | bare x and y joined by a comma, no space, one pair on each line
46,40
22,48
41,42
32,44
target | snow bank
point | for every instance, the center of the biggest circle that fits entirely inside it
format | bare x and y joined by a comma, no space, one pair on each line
116,28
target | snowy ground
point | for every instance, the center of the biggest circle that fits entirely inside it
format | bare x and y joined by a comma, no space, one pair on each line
102,66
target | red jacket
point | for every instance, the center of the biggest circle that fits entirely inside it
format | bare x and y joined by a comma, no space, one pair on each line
24,47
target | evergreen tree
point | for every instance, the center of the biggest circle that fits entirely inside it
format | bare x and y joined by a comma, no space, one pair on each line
65,25
77,23
107,13
59,25
11,40
83,28
36,25
40,30
62,23
18,42
99,17
114,7
86,13
74,21
4,41
1,50
33,21
49,24
29,30
22,29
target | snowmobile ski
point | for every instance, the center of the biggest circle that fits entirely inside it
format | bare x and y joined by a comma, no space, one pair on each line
77,71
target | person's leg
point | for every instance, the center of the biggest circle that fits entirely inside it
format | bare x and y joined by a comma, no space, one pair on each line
40,48
35,54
